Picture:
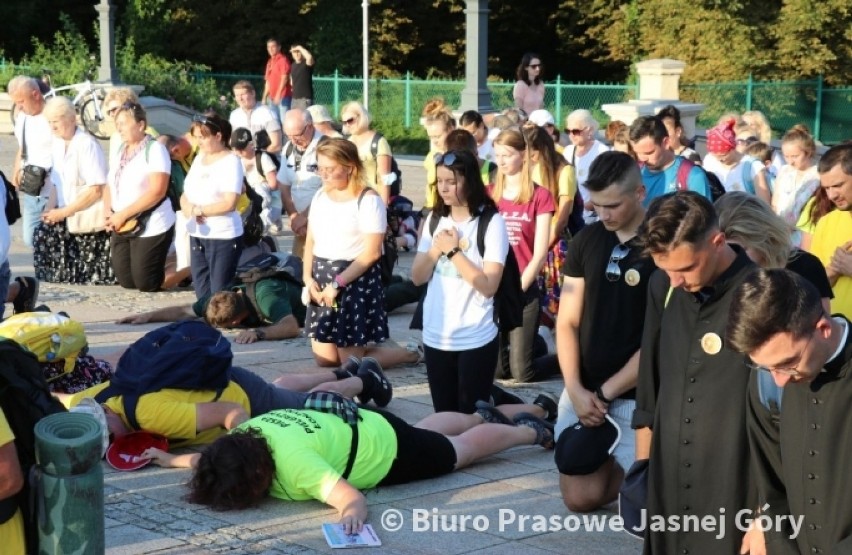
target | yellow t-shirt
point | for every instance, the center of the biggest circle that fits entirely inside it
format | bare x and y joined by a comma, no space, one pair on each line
171,412
431,179
832,231
371,166
11,531
804,224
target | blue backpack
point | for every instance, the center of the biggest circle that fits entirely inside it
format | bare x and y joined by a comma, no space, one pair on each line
185,355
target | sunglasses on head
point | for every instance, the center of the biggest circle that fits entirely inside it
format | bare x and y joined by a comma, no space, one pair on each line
613,270
746,141
204,120
445,159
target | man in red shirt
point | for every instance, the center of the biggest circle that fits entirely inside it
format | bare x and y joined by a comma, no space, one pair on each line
277,93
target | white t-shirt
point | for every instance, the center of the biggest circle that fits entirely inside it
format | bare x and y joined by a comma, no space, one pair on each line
486,150
154,158
81,164
206,184
338,227
39,139
733,178
581,170
455,316
299,172
259,118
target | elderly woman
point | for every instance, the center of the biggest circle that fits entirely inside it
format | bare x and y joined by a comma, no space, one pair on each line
70,244
377,165
342,275
114,98
138,213
581,127
209,202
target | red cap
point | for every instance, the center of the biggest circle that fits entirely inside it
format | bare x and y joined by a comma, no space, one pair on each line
124,453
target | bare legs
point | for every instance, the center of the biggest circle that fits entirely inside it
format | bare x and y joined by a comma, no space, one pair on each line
451,423
330,355
324,381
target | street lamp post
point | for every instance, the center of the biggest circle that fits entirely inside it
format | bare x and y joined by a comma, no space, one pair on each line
365,32
475,95
107,71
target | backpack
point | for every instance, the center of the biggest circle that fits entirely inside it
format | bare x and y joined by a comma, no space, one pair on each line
400,209
274,265
396,188
252,222
50,337
177,176
682,178
389,255
509,299
183,355
13,205
25,399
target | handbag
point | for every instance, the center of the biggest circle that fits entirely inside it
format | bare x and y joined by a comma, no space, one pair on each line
32,177
135,226
88,220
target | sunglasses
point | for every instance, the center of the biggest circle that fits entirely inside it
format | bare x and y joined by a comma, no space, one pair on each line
574,132
445,159
350,121
534,66
619,253
746,141
204,120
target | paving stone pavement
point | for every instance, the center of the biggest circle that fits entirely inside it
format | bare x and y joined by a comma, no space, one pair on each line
470,511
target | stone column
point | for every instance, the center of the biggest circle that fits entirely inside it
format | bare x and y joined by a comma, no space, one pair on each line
476,95
107,71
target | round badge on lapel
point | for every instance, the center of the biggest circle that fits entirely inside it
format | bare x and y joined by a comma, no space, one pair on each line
632,277
711,343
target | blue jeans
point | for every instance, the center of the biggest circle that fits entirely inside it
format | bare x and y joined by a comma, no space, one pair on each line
280,110
31,209
5,276
213,263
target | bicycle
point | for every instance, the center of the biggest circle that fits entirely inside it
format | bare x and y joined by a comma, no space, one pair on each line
88,103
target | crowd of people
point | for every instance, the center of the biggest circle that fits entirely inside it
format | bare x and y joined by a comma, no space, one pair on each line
663,287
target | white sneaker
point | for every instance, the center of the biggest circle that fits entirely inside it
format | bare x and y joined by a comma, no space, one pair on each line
547,335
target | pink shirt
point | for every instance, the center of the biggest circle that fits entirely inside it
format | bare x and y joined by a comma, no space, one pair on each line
520,221
528,97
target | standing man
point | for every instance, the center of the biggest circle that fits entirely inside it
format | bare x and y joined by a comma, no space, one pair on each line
660,165
690,397
298,173
35,142
255,117
599,330
832,238
302,77
277,92
778,320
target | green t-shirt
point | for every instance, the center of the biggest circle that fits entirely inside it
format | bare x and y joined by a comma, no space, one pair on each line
276,298
311,448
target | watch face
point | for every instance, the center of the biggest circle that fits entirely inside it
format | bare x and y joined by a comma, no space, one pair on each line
334,284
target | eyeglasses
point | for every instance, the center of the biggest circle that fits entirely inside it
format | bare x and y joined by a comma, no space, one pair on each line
746,141
350,121
574,132
304,130
619,253
445,159
327,170
789,370
204,120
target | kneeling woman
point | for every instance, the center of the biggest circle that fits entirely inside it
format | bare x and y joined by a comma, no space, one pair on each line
304,454
70,244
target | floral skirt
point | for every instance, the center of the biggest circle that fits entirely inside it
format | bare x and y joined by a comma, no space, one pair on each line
88,371
63,257
359,316
550,278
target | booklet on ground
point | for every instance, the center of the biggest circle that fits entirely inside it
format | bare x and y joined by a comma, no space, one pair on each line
337,538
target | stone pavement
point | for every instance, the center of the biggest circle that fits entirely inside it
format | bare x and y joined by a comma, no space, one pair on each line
476,510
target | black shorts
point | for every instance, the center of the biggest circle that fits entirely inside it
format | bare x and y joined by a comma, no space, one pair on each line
420,454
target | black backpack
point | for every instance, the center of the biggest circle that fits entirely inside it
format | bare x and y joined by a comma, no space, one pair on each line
13,205
184,355
509,300
390,255
374,150
252,222
274,265
25,399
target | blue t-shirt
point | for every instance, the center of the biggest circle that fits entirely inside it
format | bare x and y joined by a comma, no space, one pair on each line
659,183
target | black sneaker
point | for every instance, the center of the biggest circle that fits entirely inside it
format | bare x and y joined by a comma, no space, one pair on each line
543,429
351,366
489,413
27,295
500,396
549,403
376,386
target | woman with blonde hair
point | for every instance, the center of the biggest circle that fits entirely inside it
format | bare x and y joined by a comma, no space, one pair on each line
438,121
749,222
760,125
798,180
70,244
527,209
343,285
356,121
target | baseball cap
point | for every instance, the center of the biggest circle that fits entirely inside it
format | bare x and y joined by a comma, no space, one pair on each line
240,138
541,118
124,453
583,449
319,113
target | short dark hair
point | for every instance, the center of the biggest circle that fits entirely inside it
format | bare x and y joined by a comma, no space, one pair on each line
234,472
683,217
839,154
769,302
471,117
223,308
648,126
459,139
670,112
614,168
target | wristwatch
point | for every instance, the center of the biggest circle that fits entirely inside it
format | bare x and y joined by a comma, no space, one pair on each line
337,282
600,395
261,335
453,251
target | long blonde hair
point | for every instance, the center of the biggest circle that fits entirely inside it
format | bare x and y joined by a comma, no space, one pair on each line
345,153
750,222
512,137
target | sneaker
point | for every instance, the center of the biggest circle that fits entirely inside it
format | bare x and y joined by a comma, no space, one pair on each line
547,335
543,429
27,295
500,396
490,414
376,386
549,403
351,365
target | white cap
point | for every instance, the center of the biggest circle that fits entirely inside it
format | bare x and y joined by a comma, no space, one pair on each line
542,118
